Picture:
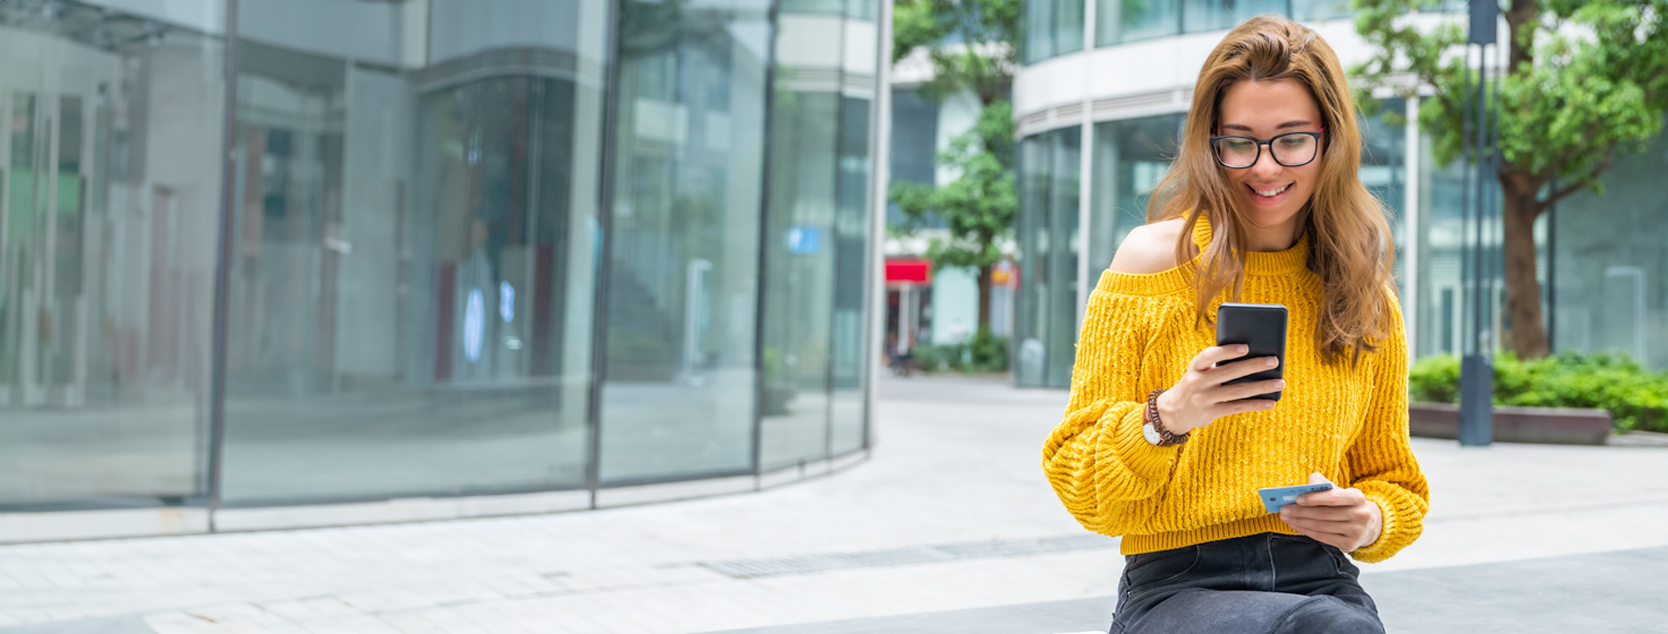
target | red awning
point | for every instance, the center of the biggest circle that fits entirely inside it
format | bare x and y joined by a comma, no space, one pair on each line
912,271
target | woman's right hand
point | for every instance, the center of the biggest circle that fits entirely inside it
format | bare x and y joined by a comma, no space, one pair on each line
1200,397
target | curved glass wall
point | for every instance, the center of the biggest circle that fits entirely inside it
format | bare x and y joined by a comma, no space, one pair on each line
1046,309
109,194
1051,28
445,217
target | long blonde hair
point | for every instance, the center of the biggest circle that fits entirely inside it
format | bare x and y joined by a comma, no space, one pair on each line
1350,244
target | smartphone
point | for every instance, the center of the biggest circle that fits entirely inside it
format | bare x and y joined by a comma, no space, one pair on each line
1276,497
1261,327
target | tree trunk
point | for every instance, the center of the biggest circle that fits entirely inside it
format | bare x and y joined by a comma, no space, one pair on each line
1523,291
984,297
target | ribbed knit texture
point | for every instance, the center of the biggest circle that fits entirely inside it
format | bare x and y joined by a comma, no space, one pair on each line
1348,423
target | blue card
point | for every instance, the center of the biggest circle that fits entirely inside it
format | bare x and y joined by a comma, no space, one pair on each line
1276,497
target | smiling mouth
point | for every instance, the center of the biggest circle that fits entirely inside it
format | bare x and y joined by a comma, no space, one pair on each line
1270,193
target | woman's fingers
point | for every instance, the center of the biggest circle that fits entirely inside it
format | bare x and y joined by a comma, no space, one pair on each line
1209,357
1319,513
1248,390
1225,373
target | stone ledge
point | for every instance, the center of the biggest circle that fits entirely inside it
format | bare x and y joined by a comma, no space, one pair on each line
1544,425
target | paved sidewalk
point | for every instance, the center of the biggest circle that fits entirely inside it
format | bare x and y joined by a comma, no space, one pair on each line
950,513
1603,593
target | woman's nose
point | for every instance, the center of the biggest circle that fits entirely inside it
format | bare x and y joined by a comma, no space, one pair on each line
1266,165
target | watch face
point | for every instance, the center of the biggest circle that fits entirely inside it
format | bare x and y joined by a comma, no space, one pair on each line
1151,433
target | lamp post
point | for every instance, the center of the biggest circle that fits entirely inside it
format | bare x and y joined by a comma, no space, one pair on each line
1481,141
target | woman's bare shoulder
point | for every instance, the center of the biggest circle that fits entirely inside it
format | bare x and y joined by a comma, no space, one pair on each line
1149,248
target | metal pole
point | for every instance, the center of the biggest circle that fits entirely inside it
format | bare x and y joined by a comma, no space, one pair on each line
222,269
1552,271
604,245
762,262
875,308
1410,209
1477,368
1465,205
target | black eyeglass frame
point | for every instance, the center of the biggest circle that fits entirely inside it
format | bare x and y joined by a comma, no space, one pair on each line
1316,135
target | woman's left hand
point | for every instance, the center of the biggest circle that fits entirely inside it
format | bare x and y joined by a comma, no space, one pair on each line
1341,517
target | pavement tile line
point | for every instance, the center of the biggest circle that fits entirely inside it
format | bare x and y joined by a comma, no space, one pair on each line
821,562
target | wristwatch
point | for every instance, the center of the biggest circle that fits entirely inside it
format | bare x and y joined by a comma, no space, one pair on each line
1153,428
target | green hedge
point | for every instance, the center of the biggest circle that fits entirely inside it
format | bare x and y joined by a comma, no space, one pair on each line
983,352
1635,396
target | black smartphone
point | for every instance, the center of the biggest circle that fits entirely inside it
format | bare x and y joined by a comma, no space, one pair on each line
1261,327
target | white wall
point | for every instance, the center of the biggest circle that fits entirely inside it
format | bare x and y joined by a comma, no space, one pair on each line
463,27
955,304
365,31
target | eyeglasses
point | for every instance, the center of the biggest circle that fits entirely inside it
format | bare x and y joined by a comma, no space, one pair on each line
1292,149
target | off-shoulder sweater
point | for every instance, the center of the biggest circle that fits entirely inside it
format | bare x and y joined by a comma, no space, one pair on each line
1348,422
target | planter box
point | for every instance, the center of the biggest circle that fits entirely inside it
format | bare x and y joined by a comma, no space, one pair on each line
1549,425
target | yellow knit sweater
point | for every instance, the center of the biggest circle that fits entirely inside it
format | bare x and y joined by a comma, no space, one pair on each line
1349,424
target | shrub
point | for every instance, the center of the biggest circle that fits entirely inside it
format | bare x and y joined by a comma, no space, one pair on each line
1636,397
983,352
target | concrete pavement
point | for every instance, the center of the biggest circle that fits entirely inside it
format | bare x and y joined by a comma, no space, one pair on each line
950,513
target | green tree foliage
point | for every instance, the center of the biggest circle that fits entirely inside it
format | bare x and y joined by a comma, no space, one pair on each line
1585,81
978,208
982,60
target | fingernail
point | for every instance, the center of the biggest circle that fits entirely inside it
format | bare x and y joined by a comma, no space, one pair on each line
1273,362
1267,404
1242,348
1280,384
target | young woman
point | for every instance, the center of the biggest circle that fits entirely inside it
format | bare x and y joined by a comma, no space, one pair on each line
1262,205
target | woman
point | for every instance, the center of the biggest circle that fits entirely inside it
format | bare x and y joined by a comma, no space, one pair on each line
1262,205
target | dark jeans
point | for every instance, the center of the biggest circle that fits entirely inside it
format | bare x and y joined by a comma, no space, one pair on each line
1265,584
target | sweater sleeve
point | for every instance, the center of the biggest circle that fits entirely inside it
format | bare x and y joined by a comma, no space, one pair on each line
1381,460
1097,460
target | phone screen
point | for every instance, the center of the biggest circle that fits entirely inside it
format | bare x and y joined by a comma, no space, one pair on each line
1261,327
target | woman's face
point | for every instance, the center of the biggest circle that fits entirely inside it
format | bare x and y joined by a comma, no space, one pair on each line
1263,109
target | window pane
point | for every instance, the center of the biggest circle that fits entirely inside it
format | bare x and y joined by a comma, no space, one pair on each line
1119,21
1047,310
412,270
850,328
1052,28
1384,172
1315,10
1130,158
680,393
109,221
1610,262
799,269
1214,15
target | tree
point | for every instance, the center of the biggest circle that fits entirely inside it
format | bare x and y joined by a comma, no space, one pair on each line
971,45
1585,81
979,207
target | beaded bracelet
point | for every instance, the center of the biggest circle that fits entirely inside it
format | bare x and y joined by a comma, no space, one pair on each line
1166,437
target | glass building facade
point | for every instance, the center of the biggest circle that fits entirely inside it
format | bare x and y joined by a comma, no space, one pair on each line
260,253
1600,257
